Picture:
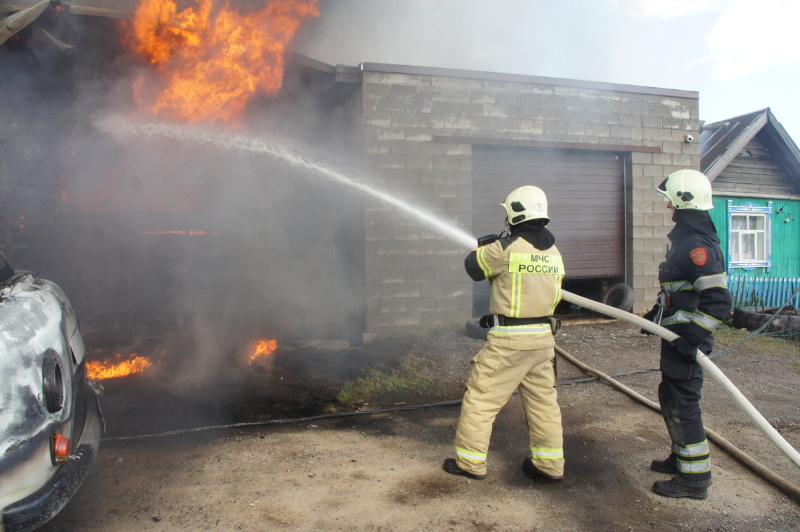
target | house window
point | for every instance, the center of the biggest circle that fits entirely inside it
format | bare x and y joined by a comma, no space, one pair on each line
749,236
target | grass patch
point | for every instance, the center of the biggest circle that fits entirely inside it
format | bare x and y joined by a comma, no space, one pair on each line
763,345
407,377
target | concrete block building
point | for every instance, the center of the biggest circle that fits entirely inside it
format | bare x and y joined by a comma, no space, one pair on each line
456,142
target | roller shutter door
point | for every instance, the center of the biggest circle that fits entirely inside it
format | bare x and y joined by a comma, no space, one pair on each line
586,201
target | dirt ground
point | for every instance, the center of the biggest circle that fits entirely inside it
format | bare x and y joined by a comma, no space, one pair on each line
378,467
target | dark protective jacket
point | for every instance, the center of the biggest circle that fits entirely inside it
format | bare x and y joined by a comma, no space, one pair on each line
694,285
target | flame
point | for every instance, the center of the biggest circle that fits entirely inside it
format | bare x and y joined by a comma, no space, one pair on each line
211,61
109,369
261,348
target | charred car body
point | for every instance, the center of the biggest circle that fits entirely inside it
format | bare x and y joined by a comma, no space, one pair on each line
50,420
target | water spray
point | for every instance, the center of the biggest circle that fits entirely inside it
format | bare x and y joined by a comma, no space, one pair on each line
124,127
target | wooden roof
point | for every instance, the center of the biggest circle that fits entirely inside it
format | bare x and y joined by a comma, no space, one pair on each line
721,142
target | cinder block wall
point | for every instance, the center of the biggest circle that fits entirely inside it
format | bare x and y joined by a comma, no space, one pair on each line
415,275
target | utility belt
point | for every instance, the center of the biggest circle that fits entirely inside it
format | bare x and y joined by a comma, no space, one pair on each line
498,320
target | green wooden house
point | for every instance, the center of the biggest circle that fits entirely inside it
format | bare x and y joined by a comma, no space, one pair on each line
754,168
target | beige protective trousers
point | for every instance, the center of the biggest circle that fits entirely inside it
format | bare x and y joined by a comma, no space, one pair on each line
497,372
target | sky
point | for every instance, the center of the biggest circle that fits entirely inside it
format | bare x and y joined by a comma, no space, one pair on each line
740,55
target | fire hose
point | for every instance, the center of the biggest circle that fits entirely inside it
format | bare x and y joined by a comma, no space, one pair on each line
723,443
731,449
754,415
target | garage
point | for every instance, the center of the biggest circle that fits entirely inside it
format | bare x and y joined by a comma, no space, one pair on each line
586,204
586,200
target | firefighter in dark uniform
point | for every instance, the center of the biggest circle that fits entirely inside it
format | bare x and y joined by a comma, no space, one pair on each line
525,271
694,300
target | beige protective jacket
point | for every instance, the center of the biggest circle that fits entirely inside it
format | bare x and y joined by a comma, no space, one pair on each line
526,283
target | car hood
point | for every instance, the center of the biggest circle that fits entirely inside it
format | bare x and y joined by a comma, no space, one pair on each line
32,322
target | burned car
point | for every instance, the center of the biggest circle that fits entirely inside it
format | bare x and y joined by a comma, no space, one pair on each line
50,420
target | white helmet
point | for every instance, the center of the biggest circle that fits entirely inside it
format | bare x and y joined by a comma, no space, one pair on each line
687,189
526,203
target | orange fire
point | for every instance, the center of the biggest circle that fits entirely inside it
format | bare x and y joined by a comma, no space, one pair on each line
211,61
111,369
262,348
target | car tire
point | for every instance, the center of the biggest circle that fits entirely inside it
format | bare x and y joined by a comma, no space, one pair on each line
620,296
473,329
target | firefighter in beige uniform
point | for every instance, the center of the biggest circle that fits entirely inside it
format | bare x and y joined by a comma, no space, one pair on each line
525,272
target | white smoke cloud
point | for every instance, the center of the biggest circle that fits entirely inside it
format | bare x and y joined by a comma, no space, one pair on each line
751,36
666,9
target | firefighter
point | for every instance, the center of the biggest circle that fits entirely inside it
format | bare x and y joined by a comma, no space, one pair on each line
694,300
525,271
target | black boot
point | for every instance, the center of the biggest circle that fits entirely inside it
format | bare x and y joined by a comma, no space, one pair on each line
678,490
451,466
668,466
534,473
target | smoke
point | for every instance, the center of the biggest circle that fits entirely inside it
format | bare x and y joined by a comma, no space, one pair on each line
205,249
513,36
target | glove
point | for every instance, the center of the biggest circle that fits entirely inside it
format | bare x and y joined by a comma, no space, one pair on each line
649,317
686,349
484,321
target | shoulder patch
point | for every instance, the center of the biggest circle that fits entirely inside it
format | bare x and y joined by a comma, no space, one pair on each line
699,256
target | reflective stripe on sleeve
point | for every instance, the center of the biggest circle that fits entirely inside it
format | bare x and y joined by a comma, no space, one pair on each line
543,453
719,280
705,321
470,456
484,266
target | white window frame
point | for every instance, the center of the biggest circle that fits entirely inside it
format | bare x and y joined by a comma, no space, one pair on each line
750,210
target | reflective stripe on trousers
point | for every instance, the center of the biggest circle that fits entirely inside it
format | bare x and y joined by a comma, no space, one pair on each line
542,453
472,457
497,372
693,459
680,406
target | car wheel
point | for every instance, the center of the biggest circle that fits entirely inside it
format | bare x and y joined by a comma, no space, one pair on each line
620,296
474,330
